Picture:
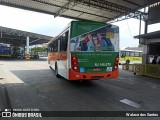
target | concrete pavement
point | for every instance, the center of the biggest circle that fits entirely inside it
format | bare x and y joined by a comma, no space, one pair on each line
33,85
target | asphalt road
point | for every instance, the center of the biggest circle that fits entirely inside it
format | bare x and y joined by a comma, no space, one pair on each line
32,84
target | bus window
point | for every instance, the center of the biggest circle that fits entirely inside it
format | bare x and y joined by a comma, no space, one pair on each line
49,48
131,53
54,46
127,53
140,54
123,54
137,54
64,41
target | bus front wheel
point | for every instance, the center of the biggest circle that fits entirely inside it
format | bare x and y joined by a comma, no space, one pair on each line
56,71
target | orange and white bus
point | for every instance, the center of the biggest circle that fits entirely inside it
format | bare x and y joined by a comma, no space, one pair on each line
85,50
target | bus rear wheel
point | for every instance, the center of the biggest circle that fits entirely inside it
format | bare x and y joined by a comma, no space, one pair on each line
56,71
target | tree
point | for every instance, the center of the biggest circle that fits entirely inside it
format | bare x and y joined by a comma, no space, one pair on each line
38,49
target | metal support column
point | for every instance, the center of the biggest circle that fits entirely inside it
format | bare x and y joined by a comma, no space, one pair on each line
1,32
146,27
140,25
27,48
146,23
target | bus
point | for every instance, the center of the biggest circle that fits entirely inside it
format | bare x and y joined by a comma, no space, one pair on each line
130,56
5,50
85,50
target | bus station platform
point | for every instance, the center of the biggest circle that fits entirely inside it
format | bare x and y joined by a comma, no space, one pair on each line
152,70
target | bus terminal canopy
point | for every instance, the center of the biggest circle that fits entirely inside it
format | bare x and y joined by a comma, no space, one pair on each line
95,10
151,35
18,37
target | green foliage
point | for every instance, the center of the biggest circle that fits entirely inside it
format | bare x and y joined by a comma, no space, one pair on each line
38,49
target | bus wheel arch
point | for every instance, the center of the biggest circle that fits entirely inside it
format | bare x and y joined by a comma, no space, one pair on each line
56,70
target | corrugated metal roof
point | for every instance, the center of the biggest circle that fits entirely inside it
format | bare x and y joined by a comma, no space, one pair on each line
96,10
150,35
18,37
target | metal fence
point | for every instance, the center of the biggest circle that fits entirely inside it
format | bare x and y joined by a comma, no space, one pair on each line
152,70
128,67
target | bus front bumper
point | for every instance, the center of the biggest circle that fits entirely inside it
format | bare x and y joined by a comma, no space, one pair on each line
92,76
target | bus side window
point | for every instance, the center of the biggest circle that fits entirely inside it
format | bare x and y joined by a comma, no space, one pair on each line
137,54
132,54
127,54
140,54
49,48
123,54
54,46
64,41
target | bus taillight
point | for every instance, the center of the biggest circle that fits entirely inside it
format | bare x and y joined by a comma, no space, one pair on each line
116,63
74,63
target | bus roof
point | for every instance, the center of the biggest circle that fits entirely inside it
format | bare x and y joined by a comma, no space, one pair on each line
132,50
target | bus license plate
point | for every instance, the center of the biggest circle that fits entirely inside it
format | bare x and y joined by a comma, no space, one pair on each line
96,69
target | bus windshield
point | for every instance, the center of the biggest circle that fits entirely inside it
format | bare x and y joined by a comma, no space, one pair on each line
102,39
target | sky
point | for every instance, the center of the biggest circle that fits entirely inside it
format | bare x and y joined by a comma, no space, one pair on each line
48,25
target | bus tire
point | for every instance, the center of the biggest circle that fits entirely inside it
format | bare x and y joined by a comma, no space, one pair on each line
56,71
127,61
